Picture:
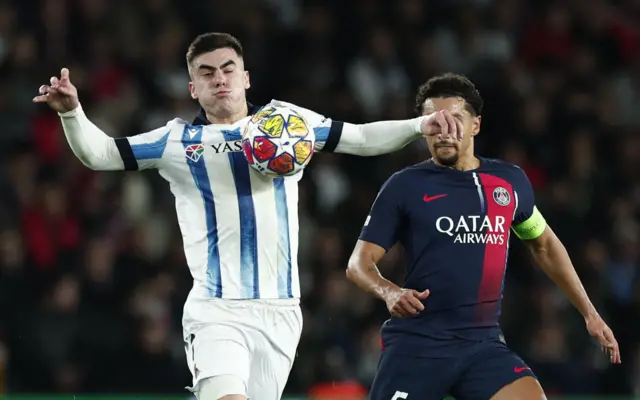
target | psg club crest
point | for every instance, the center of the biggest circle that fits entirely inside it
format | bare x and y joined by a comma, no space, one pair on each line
501,196
194,152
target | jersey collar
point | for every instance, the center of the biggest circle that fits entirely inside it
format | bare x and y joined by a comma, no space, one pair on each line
429,164
201,118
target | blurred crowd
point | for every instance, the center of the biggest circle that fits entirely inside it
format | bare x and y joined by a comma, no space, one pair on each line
92,274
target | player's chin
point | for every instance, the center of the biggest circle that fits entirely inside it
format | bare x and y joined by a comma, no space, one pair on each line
447,155
222,105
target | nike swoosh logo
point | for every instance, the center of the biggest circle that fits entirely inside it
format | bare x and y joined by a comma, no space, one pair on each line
517,370
427,199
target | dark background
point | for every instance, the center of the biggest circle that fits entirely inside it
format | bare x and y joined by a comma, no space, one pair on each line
92,275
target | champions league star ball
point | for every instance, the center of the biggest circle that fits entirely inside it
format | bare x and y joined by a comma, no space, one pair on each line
278,141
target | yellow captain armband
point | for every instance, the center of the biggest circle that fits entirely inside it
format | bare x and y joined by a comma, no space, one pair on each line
532,228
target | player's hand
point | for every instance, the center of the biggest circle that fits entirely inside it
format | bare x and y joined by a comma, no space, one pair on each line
599,330
442,122
61,95
406,302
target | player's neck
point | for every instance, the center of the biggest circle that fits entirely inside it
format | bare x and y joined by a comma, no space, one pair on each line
463,164
228,119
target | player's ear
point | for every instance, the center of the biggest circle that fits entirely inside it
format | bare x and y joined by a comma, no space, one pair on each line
192,91
247,80
475,129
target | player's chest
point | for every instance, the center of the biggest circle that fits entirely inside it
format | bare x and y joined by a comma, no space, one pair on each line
200,145
469,208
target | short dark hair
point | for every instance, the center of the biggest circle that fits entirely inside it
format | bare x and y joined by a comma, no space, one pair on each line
450,85
212,41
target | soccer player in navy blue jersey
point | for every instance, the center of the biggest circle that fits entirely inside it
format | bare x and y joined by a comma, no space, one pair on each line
453,214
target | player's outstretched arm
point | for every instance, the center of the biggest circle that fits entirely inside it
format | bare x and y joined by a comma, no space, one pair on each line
363,271
383,137
552,257
375,138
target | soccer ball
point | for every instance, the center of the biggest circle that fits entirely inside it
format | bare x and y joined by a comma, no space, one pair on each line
278,141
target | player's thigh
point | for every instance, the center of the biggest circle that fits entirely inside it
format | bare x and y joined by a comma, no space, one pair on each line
275,346
401,376
525,388
221,355
492,369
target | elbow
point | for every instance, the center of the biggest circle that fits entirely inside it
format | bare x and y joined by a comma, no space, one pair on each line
87,163
352,268
372,151
544,243
91,164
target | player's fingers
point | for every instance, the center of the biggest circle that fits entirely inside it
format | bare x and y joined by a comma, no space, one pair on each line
414,301
399,312
66,90
612,345
405,307
460,128
615,355
451,123
54,81
44,89
442,121
41,99
64,74
424,294
434,128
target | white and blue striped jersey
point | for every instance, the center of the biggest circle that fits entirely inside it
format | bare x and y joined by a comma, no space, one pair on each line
239,227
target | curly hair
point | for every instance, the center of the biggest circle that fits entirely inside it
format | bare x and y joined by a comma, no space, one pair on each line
451,85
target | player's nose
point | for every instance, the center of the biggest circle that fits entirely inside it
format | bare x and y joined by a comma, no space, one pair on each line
219,80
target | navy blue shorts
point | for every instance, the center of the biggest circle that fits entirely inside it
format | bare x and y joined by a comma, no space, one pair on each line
476,375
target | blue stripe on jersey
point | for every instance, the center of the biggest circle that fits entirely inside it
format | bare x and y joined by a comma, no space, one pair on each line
249,277
322,133
150,151
284,245
198,170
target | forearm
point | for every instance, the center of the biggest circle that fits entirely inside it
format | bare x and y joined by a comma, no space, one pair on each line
89,143
378,138
366,276
554,260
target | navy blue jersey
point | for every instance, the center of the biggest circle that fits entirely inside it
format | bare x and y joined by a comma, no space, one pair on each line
455,228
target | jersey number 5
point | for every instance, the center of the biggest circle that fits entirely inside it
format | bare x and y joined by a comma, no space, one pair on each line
400,395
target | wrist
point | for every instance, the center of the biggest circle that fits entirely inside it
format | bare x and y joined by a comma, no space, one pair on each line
417,125
387,290
591,313
71,113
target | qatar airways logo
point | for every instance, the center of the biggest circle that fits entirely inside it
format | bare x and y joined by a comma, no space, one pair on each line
474,229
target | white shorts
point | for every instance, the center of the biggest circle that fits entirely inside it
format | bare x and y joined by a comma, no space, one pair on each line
254,341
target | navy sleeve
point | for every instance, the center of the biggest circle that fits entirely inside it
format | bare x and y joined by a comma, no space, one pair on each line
525,197
382,226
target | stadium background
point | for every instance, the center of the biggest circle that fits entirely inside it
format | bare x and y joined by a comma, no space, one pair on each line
92,275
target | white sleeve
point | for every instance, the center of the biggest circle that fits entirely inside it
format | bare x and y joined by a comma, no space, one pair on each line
100,152
378,138
370,139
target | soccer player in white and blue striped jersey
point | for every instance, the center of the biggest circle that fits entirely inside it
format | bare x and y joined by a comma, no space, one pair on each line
242,319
